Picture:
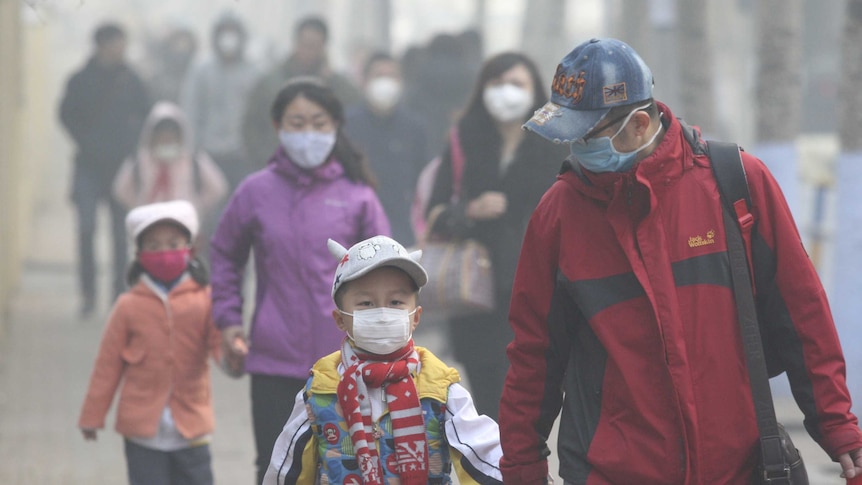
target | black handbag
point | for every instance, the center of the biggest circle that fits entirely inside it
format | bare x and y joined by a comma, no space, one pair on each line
779,461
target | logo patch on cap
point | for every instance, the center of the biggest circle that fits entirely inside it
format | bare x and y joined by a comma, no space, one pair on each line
545,113
569,86
614,93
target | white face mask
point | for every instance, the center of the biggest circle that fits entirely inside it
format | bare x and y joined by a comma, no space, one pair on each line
168,152
307,149
381,330
228,43
383,92
507,102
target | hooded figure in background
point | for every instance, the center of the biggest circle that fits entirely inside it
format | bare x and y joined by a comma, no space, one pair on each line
214,98
171,57
166,166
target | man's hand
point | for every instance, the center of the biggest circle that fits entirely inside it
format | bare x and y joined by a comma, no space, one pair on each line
851,463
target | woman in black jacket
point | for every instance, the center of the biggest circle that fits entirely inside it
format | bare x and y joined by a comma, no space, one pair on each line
506,171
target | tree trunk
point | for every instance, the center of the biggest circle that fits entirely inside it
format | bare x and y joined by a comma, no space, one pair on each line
778,95
634,27
370,23
544,34
779,86
850,113
696,66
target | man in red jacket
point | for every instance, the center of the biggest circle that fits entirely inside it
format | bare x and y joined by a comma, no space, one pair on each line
623,308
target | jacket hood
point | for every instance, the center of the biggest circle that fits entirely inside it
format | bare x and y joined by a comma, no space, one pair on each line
164,110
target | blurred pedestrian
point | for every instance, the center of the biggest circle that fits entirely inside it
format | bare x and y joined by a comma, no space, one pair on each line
214,98
103,109
167,166
624,308
506,170
424,423
172,58
154,349
308,58
443,79
316,186
392,139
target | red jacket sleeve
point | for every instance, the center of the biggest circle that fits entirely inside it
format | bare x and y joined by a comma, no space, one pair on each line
795,314
107,371
532,393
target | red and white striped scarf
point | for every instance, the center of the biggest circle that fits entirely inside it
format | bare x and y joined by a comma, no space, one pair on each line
393,372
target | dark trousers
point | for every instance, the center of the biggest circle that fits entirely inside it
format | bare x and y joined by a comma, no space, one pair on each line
272,399
479,343
87,196
189,466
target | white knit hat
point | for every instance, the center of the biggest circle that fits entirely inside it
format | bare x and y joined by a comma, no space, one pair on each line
373,253
181,212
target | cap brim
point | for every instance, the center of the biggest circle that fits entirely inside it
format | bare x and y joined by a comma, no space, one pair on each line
563,125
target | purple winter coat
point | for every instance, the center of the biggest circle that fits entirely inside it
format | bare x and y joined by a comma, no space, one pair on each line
286,214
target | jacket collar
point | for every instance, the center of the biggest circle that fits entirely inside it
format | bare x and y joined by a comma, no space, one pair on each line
432,382
281,164
146,286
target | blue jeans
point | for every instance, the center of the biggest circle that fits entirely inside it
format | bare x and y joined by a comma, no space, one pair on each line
189,466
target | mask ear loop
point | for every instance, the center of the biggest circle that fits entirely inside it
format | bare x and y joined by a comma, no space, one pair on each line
628,118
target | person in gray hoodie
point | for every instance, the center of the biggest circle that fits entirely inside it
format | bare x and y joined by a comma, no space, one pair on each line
214,95
316,186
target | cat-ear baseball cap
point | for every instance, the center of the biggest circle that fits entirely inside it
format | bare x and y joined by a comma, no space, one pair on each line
372,253
593,78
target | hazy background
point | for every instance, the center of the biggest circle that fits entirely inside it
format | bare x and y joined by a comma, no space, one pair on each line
767,74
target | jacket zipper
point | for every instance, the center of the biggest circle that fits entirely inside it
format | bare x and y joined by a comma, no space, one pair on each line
629,190
166,301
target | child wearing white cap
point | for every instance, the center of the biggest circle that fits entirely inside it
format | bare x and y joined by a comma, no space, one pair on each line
382,410
156,344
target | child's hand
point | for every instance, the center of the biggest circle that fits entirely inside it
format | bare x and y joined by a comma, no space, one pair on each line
234,341
234,350
89,434
239,347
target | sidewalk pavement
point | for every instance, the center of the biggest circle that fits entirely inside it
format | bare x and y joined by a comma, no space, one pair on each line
46,356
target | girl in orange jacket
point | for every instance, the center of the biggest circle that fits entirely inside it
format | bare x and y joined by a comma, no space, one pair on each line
156,344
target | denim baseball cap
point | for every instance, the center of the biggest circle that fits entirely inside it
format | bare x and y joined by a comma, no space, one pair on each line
594,77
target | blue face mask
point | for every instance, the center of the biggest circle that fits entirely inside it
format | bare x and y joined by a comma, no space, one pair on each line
599,155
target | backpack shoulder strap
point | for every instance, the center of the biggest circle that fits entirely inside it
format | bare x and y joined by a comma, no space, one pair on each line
733,186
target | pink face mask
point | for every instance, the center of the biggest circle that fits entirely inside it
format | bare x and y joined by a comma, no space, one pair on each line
165,266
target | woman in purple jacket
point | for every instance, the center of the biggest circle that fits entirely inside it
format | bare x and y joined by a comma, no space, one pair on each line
316,186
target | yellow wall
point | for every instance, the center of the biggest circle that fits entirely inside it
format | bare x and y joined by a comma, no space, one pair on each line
11,108
25,130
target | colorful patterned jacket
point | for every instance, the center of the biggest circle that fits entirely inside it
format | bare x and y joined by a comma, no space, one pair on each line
315,448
